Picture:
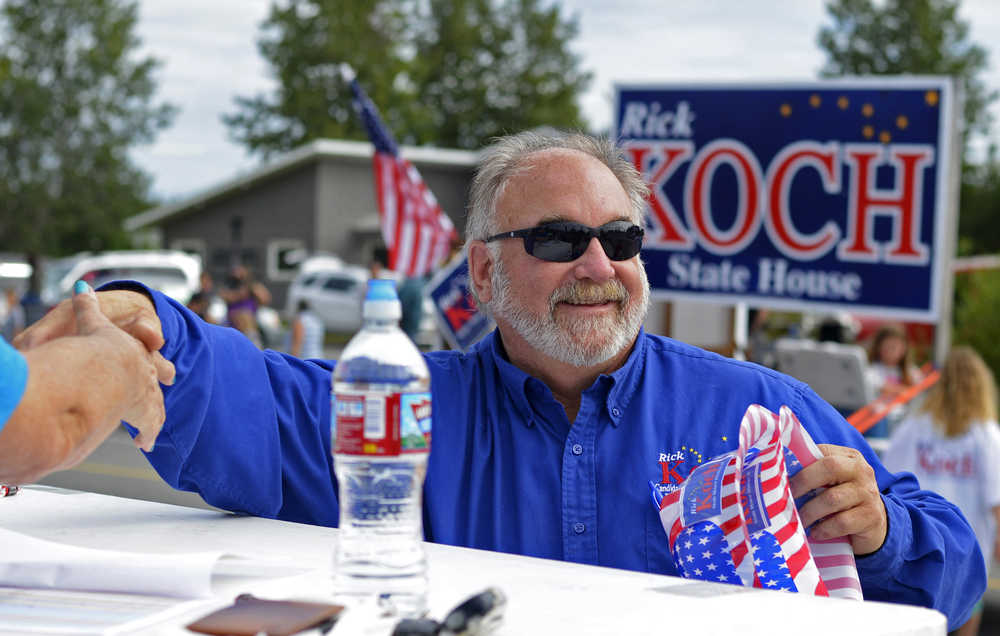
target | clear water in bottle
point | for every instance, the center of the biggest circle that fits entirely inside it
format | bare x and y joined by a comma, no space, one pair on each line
381,440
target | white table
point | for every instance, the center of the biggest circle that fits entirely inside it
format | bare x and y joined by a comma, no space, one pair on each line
544,597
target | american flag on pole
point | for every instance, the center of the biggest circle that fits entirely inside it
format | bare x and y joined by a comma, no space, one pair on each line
417,233
761,521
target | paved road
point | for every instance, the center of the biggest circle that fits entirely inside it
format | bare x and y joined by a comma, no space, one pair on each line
117,467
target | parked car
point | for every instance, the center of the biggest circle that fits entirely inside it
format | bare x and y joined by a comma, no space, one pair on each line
335,291
172,272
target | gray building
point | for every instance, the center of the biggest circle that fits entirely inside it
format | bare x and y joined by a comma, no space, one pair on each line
318,198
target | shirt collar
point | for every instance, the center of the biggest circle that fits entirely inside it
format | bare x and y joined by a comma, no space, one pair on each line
520,386
514,380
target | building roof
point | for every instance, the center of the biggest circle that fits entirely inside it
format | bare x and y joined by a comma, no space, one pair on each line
315,150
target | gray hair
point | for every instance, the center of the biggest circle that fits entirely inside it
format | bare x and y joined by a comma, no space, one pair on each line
507,155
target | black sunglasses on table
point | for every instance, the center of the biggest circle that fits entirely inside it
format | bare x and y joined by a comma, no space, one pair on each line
565,241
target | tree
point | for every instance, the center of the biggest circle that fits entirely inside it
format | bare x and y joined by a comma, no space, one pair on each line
73,99
977,296
980,196
908,37
486,69
449,73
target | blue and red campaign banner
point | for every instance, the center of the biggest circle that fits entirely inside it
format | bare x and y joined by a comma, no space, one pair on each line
458,318
807,196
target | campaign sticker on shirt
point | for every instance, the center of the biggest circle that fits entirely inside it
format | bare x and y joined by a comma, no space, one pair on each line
704,492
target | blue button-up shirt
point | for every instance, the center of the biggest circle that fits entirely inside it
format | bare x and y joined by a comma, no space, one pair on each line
249,431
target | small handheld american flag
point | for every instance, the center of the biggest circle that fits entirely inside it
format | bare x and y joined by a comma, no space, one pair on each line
740,505
416,231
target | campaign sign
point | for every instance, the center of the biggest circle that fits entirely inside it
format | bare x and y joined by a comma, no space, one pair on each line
819,195
460,321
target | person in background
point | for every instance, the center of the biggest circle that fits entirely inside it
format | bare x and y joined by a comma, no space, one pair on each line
411,299
59,400
206,284
409,289
244,295
890,372
198,303
760,345
13,322
832,329
952,445
307,333
378,266
215,307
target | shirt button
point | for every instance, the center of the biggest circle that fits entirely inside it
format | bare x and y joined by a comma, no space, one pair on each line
579,528
616,412
577,449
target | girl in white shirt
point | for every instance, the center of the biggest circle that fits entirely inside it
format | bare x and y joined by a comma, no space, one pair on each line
952,445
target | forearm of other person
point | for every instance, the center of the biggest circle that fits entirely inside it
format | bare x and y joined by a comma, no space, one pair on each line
79,388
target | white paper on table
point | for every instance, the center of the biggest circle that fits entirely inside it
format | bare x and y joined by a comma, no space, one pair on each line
28,562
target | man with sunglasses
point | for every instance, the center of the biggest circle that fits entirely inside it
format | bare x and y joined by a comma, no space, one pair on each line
549,432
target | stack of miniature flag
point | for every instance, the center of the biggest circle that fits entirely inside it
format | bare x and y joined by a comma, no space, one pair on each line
734,520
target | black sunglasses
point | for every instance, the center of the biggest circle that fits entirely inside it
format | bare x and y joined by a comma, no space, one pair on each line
565,241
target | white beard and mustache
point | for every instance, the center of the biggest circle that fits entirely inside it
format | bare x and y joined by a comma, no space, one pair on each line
583,341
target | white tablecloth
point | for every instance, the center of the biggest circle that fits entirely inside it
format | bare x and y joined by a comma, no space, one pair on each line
544,597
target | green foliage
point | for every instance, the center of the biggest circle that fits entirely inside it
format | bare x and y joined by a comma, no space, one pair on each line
73,99
977,297
899,37
980,215
451,73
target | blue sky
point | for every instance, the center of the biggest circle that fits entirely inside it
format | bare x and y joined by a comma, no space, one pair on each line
209,56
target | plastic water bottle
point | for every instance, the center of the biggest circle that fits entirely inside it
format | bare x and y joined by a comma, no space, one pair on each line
381,439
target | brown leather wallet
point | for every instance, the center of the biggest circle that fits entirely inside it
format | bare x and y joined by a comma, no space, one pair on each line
250,615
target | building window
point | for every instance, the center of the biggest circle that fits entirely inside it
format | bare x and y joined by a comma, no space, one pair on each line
224,259
284,257
193,246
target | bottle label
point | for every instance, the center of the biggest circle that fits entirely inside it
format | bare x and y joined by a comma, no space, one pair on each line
380,424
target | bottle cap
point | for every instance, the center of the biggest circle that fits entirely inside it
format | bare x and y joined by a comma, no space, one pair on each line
381,301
